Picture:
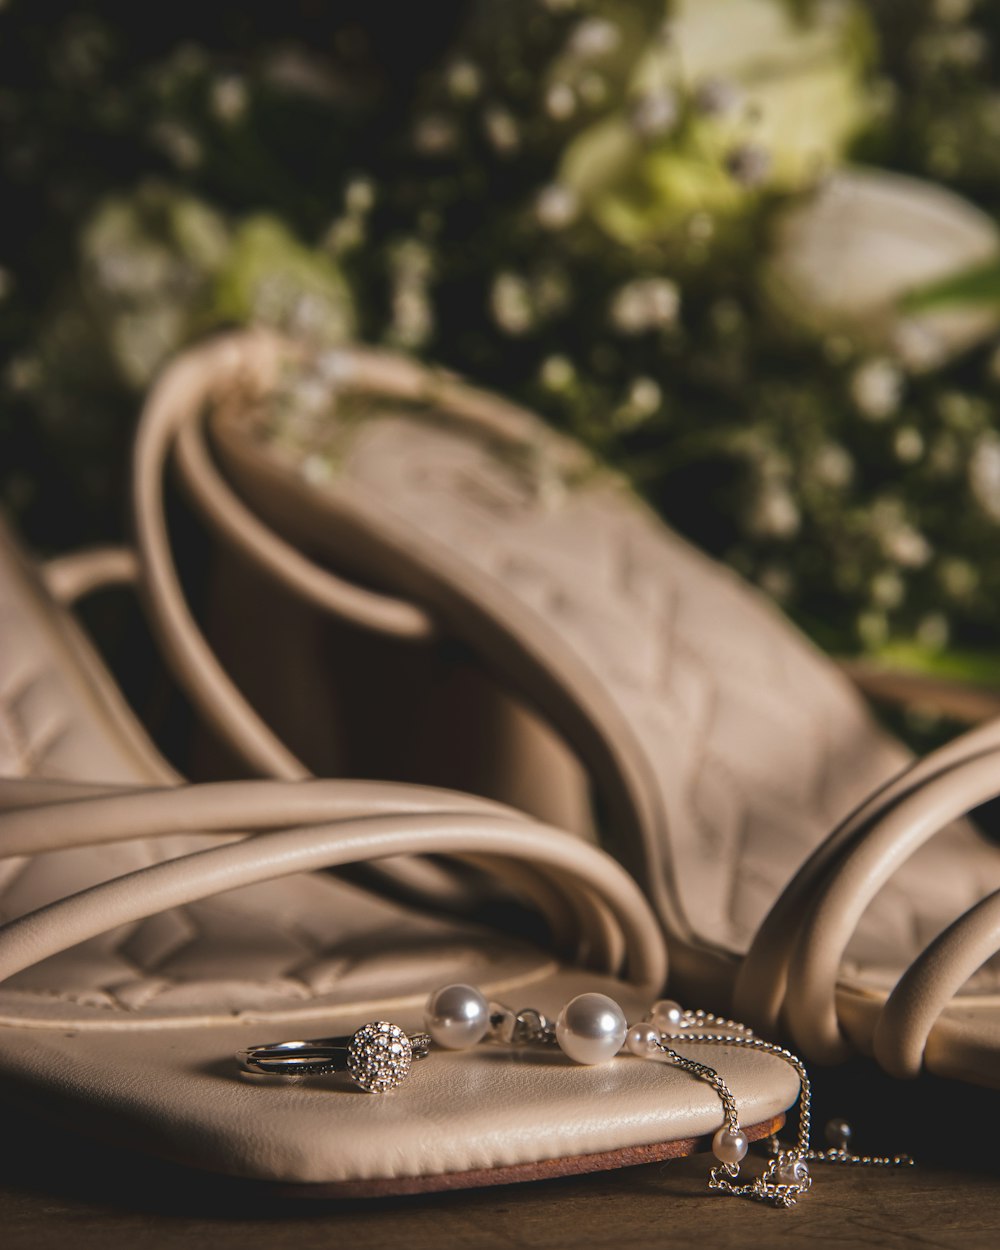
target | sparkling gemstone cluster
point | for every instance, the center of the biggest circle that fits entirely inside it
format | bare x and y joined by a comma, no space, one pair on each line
379,1056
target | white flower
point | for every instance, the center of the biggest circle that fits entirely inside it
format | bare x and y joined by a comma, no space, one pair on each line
435,135
510,303
556,207
560,101
502,131
464,80
594,37
229,98
908,444
774,513
655,113
833,465
876,388
906,546
845,259
557,373
984,474
645,304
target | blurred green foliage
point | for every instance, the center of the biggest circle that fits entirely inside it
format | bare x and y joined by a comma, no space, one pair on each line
746,249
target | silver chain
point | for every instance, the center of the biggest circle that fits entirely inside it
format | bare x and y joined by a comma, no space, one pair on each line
785,1177
769,1186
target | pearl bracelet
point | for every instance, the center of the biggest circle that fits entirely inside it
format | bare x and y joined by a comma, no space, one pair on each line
590,1029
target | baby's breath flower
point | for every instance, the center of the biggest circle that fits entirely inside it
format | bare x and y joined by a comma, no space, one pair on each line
876,388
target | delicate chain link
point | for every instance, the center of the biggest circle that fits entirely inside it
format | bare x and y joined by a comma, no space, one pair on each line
785,1178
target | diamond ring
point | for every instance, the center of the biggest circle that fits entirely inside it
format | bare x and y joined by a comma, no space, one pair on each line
378,1056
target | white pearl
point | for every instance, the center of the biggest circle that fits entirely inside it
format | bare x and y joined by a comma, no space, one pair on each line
643,1040
792,1172
729,1147
667,1015
838,1133
457,1016
591,1028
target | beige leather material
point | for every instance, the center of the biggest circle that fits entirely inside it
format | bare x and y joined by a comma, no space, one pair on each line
212,690
177,631
71,577
147,938
761,984
930,985
574,867
284,562
724,748
176,1093
856,878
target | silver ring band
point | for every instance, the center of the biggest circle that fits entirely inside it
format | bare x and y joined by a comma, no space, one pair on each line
378,1056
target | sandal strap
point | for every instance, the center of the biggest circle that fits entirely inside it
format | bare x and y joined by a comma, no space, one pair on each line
581,873
179,395
931,982
282,561
859,873
39,815
761,986
172,423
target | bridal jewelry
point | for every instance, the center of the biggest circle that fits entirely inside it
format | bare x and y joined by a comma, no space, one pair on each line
378,1056
590,1029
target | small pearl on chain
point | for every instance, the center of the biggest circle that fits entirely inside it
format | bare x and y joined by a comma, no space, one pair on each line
457,1016
591,1028
729,1147
792,1172
643,1040
667,1015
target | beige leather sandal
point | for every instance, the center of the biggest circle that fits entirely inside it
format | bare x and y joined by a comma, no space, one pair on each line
154,929
635,688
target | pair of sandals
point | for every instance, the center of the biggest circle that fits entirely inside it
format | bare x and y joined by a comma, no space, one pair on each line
420,577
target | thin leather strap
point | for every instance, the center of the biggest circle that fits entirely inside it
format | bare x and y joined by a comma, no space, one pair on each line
38,816
227,367
172,416
569,862
579,920
183,389
71,577
810,1005
930,983
53,821
283,562
391,375
761,983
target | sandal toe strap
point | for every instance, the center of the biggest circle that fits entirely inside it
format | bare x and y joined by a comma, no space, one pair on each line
762,982
880,848
931,982
614,921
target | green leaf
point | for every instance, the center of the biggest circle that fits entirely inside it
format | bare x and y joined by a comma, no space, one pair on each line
979,285
980,668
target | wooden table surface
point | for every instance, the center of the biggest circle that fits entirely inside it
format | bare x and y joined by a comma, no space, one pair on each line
650,1206
58,1189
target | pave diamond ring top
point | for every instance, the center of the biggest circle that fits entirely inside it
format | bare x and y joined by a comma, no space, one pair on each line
377,1057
